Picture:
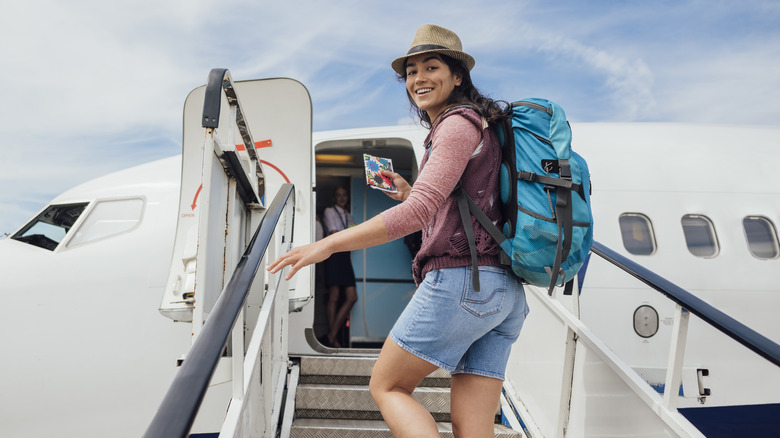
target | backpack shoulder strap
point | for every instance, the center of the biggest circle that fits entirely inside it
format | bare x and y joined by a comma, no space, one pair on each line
467,207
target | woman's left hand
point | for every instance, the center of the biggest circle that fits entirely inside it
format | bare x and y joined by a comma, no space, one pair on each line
300,257
400,183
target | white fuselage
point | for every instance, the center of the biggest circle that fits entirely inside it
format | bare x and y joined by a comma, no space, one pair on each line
85,347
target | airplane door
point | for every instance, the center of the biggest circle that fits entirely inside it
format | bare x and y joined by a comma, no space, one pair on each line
278,114
383,274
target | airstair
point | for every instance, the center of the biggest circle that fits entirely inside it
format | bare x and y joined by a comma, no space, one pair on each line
240,380
332,400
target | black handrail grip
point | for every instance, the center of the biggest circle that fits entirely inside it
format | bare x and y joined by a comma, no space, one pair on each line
177,412
212,101
741,333
219,81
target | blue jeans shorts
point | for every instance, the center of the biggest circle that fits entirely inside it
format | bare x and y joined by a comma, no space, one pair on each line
449,325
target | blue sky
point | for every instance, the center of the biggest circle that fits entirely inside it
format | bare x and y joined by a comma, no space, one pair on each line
89,87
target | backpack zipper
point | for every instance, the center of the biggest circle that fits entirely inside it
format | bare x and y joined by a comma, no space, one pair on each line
534,106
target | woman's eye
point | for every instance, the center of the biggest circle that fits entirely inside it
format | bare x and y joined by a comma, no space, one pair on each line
410,73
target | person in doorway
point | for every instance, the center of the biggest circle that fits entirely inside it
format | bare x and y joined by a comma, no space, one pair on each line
339,274
446,324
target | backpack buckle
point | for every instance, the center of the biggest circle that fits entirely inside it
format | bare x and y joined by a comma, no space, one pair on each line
565,169
526,176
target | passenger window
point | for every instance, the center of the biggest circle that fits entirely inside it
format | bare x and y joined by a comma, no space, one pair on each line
637,233
761,237
107,219
49,228
700,235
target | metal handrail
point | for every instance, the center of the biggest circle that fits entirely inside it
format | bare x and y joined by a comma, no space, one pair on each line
220,81
178,409
741,333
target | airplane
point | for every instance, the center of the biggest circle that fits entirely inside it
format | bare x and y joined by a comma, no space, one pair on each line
99,286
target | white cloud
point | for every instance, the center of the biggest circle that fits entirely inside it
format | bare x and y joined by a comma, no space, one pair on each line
733,85
628,81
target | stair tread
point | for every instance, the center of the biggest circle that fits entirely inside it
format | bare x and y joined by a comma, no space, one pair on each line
328,386
373,427
346,366
358,398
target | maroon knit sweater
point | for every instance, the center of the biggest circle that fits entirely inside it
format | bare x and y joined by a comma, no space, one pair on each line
450,148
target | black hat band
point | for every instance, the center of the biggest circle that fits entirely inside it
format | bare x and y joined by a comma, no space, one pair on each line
425,47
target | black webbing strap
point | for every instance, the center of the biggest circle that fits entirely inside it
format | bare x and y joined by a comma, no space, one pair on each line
563,214
467,205
566,208
551,181
467,228
483,219
569,288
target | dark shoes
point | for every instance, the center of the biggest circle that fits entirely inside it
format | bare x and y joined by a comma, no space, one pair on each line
326,342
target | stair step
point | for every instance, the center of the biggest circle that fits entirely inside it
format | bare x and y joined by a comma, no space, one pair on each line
315,397
325,428
332,400
346,366
354,371
337,366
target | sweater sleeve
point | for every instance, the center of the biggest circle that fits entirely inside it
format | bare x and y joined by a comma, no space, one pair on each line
454,141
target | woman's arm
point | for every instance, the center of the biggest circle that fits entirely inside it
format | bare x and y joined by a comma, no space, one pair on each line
458,140
367,234
455,141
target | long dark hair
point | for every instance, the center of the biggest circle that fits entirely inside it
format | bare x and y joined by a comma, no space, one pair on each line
464,94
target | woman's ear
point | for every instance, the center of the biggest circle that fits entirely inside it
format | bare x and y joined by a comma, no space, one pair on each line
458,79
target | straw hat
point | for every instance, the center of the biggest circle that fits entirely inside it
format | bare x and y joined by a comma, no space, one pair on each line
431,38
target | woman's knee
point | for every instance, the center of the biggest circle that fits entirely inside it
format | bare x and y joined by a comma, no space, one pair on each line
374,386
378,386
398,370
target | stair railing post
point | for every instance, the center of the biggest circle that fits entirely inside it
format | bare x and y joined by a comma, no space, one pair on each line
237,345
676,356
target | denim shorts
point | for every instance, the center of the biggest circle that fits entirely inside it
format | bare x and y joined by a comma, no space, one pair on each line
449,325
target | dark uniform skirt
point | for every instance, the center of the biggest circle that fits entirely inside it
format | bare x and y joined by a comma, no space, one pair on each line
338,270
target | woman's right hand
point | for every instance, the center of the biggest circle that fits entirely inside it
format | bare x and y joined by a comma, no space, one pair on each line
400,183
300,257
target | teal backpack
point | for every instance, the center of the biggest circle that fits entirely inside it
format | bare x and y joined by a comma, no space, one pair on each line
545,194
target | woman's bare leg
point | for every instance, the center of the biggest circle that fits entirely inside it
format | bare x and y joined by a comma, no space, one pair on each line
474,400
396,373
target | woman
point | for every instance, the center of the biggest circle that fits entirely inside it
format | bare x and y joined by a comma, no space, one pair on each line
447,324
338,269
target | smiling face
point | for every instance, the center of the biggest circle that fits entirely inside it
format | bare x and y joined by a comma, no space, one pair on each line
429,81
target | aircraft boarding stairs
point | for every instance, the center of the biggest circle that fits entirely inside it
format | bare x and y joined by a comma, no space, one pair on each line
332,400
562,380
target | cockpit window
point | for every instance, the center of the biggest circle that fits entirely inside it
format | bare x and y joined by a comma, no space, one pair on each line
761,237
108,218
49,228
637,232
